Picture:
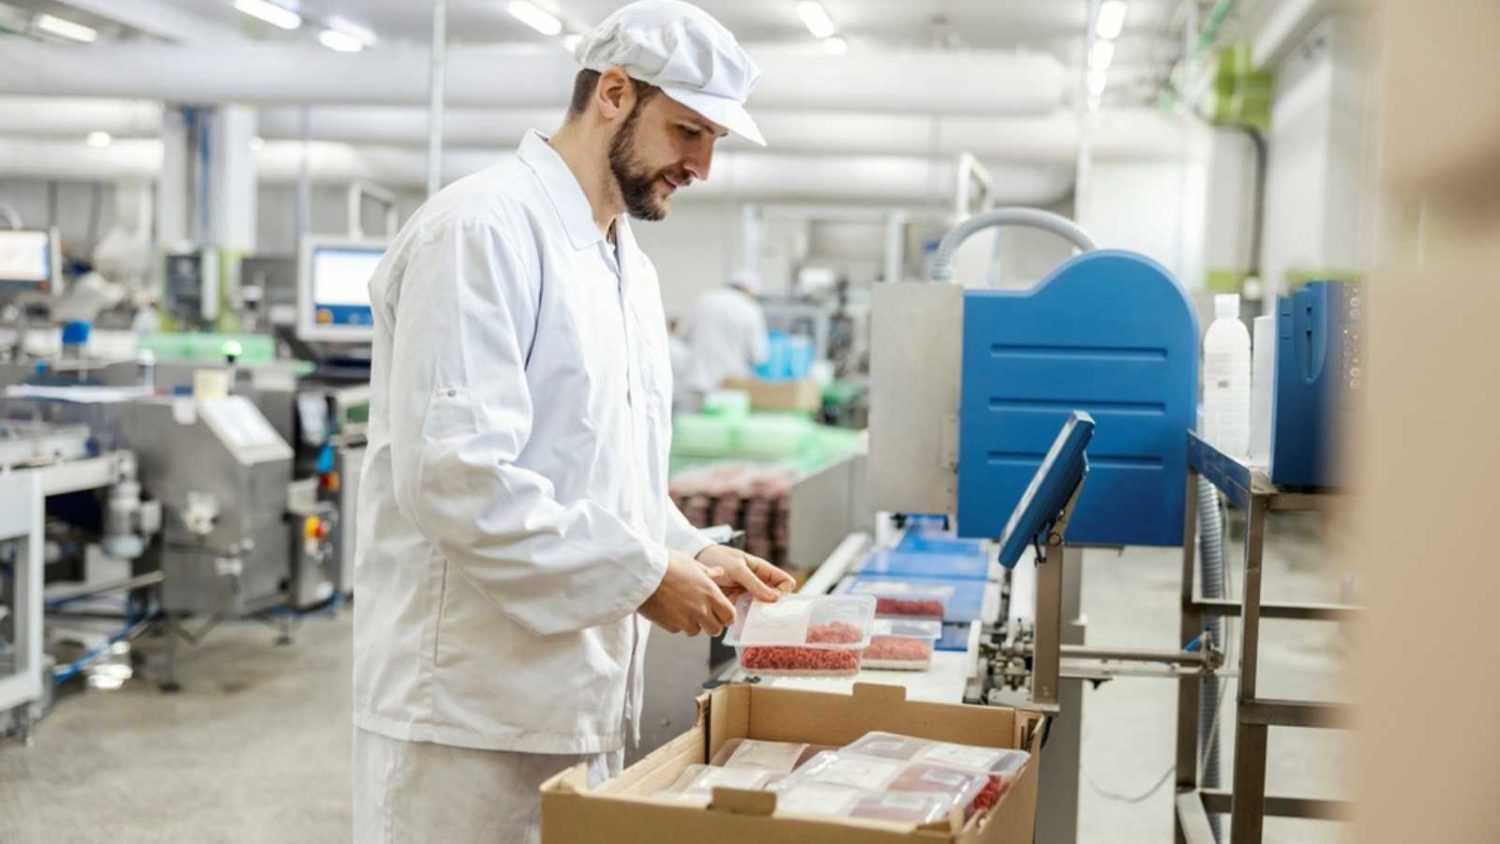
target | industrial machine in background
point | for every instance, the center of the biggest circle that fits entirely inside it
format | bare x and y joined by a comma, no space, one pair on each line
1319,381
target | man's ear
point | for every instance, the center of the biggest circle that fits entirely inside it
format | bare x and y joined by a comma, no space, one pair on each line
615,94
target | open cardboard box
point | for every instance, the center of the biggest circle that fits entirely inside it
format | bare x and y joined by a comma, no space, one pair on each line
778,396
622,810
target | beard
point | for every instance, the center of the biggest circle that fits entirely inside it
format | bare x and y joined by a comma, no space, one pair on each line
637,182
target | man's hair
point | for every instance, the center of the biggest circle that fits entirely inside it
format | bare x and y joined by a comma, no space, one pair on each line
583,88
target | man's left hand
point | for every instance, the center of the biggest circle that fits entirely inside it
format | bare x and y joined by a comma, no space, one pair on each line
738,573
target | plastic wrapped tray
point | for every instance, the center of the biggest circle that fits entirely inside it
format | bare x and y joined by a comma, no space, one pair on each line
966,603
950,787
779,756
906,599
696,783
901,644
823,800
1001,765
803,635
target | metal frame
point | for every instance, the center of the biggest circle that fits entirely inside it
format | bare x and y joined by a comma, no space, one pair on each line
21,519
1247,802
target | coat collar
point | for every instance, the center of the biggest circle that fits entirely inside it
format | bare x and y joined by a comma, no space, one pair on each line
562,188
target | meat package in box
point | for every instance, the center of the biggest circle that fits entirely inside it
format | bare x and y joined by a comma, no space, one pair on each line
1001,766
783,757
951,787
902,644
627,810
803,635
696,784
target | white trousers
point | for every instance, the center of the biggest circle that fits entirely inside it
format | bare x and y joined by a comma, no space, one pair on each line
411,791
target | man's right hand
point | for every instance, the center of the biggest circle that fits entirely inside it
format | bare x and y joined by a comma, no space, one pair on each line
688,601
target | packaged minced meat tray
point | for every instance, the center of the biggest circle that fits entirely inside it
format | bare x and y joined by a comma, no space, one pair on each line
901,644
902,599
803,634
696,783
1000,764
851,770
779,756
838,801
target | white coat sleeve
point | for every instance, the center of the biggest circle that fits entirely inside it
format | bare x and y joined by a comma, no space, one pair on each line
681,535
461,413
760,340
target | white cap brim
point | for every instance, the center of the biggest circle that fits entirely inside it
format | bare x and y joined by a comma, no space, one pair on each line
724,111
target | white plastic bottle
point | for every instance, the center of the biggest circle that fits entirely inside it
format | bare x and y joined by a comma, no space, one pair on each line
1226,379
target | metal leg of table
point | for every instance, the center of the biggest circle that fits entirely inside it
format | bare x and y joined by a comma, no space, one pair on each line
1057,812
1188,688
1248,808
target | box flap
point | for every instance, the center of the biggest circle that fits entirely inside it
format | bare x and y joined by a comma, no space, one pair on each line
569,781
877,694
741,802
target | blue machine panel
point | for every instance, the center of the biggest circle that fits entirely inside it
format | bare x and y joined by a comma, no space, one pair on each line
1109,333
964,564
1319,346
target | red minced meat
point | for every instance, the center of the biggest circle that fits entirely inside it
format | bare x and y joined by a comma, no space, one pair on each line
899,649
909,607
793,659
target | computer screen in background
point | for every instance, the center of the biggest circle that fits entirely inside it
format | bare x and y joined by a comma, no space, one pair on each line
26,257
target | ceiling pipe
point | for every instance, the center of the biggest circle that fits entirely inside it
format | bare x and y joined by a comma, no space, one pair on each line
1122,133
520,76
736,175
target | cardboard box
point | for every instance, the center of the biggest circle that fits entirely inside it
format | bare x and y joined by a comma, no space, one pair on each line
1441,110
778,395
622,812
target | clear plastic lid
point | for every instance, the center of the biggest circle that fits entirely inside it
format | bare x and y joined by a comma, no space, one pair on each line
989,760
696,783
868,773
903,628
825,800
779,756
825,622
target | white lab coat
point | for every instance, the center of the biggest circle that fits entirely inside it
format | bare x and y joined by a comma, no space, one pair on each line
514,510
727,335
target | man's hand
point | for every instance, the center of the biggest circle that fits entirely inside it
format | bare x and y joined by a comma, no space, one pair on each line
738,573
688,601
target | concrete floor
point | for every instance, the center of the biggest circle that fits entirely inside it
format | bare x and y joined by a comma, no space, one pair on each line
256,747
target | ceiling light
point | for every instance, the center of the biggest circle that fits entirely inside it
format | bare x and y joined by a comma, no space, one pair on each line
343,42
66,28
98,140
1095,102
571,42
348,27
1102,53
1097,81
535,17
269,12
816,17
835,45
257,144
1111,19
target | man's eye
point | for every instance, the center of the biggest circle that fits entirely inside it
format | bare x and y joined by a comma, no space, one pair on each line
691,131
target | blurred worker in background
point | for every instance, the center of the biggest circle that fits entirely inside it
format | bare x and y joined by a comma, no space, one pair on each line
515,528
727,333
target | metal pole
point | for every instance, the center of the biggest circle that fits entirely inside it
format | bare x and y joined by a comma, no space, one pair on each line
435,96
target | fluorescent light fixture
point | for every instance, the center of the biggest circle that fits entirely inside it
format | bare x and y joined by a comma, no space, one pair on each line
1098,80
835,45
348,27
65,28
1111,19
570,42
1101,54
816,17
535,17
257,144
271,13
98,140
342,42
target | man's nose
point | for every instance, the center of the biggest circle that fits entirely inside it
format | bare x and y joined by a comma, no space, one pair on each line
699,161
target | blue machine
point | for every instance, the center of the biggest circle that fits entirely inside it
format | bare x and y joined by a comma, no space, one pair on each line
1109,333
1319,379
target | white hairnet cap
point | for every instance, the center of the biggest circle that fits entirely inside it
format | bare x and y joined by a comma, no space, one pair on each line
747,279
682,50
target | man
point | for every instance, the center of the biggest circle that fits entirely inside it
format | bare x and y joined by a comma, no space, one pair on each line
515,527
727,334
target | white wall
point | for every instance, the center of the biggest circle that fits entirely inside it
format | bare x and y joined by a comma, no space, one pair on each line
1320,209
